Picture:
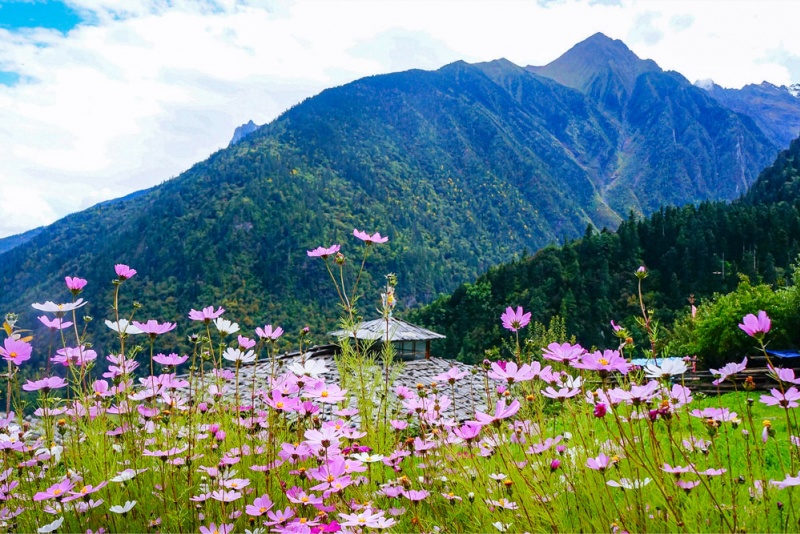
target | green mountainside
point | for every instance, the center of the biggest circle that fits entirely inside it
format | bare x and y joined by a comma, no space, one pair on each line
463,167
693,250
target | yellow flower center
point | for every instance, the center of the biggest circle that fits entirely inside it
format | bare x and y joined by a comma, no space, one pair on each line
279,405
331,478
262,510
602,361
13,355
57,492
304,499
323,394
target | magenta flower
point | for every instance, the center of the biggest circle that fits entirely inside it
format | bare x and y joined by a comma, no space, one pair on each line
206,315
756,326
260,506
45,384
468,431
599,463
124,272
75,285
269,333
15,350
602,362
54,491
687,485
322,252
369,239
56,324
329,394
153,327
600,410
501,412
515,320
450,376
728,370
509,371
246,343
213,528
172,360
784,400
561,353
416,495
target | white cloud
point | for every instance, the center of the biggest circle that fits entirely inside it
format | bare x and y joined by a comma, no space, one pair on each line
152,87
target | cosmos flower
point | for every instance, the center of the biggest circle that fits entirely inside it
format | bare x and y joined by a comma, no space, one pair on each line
58,309
213,528
787,482
671,367
171,360
51,527
238,356
451,375
728,370
369,239
501,412
509,372
123,271
75,285
564,352
322,252
154,328
260,506
515,320
312,368
629,484
599,463
124,327
269,333
55,324
602,362
206,315
226,327
784,400
756,326
15,350
54,491
45,384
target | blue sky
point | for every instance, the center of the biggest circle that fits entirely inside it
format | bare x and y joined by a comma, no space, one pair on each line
99,98
18,14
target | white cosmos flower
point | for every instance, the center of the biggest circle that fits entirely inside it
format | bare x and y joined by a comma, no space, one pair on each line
58,309
52,526
236,355
123,327
366,457
502,527
126,475
669,367
312,368
225,326
628,483
127,507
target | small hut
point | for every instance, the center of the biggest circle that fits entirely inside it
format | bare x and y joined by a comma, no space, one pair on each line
411,342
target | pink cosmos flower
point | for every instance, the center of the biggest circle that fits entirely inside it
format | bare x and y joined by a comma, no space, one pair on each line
728,370
171,360
783,375
784,400
328,394
260,506
124,272
756,326
450,376
501,412
15,351
75,285
515,320
55,324
206,315
45,384
687,485
509,371
565,352
561,394
269,333
154,328
468,431
599,463
78,356
213,528
369,239
678,469
322,252
787,482
366,518
279,516
84,492
603,362
54,491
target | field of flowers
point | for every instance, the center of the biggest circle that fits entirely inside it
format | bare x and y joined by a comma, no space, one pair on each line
144,440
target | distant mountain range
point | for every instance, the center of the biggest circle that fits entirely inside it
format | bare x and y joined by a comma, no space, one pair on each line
463,168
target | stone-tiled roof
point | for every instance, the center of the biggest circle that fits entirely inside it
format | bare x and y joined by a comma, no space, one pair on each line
399,330
469,393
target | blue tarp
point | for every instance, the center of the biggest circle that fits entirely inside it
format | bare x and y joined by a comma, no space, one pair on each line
784,353
641,362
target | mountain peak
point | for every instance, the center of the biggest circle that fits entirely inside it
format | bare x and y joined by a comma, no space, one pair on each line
602,67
